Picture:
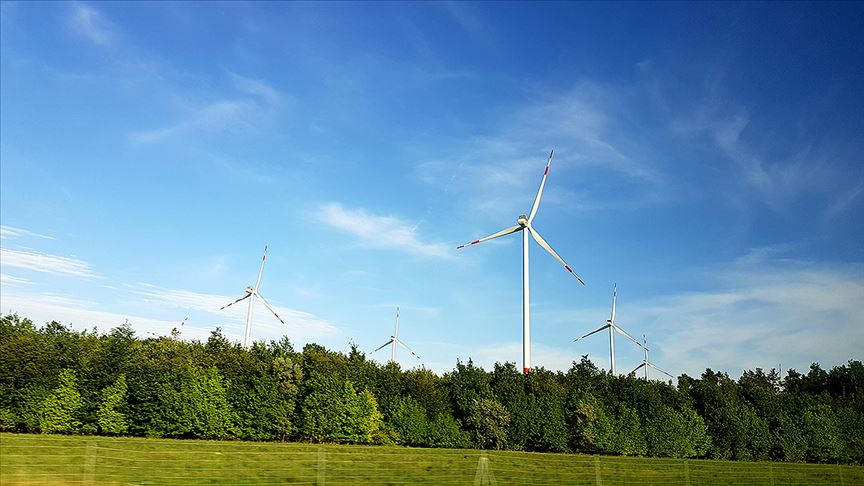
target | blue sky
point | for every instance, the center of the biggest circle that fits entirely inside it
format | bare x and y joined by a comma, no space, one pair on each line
708,160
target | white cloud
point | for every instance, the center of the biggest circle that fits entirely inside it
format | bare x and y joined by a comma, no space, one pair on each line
229,115
759,316
845,200
380,231
542,355
256,87
91,24
9,232
216,117
6,279
41,308
298,324
585,126
777,166
41,262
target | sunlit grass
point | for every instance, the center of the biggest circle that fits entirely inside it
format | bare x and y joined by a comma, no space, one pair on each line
54,459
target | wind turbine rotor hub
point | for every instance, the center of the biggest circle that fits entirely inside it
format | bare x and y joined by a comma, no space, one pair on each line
523,220
249,290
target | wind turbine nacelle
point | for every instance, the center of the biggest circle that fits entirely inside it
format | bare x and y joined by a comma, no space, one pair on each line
523,220
249,290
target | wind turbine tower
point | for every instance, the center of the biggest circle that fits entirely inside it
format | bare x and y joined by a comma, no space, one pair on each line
647,364
524,225
394,340
253,292
610,324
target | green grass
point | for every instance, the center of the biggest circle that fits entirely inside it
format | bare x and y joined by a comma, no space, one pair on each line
54,459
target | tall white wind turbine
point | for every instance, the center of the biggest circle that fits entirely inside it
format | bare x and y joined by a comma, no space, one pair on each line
610,324
394,340
647,364
526,228
253,292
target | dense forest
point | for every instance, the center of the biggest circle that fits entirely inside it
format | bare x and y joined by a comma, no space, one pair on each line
56,380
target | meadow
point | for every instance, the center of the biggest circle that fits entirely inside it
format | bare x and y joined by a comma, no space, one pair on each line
28,459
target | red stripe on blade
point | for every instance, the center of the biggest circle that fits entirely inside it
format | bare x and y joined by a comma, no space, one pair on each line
547,170
475,242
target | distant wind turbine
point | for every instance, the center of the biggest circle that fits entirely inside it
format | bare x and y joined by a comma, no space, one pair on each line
250,291
526,228
394,340
647,364
610,324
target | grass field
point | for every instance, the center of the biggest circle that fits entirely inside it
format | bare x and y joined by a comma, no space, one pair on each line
53,459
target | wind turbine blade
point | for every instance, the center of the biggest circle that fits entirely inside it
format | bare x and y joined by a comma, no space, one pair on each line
623,332
383,345
539,239
540,191
261,299
261,270
396,334
661,371
614,301
400,343
503,232
590,333
232,303
636,369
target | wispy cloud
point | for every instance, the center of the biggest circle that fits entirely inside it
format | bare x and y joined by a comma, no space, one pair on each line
776,166
231,114
10,232
380,231
542,355
760,316
845,200
41,262
6,279
585,125
220,116
81,314
256,87
298,324
89,23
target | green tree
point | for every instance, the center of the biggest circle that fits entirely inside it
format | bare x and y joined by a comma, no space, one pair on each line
110,416
194,404
824,443
334,411
408,419
466,384
488,421
58,413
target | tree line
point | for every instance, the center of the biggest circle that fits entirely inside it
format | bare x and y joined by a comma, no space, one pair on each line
56,380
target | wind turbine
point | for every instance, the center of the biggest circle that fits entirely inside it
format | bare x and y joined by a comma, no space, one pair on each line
526,228
610,324
394,340
646,364
250,291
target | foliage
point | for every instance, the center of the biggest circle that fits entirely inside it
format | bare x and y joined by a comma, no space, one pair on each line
193,402
110,416
57,380
488,420
335,412
59,411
